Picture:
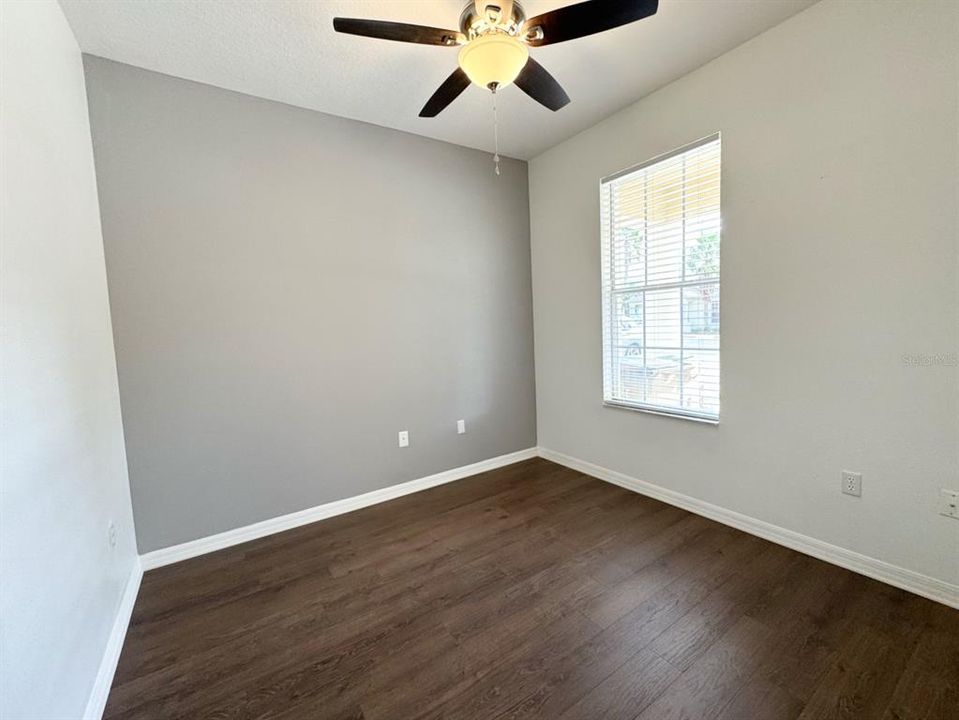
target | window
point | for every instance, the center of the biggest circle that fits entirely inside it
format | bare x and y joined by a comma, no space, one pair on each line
660,258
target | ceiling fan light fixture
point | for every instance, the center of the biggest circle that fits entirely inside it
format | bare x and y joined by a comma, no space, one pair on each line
495,36
495,58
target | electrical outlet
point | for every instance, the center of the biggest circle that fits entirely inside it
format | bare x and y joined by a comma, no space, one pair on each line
949,503
461,426
852,483
112,534
404,438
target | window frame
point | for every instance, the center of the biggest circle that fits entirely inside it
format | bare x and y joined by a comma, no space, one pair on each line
607,314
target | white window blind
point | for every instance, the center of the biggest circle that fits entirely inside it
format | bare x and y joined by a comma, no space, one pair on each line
660,259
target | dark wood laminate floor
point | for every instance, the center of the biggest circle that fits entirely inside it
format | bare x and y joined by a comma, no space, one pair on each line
529,591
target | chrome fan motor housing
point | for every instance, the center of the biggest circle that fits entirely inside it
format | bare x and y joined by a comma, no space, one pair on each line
491,19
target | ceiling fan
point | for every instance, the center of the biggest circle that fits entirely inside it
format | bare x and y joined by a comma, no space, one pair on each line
494,40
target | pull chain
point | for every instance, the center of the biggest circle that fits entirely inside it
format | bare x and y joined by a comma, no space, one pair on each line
495,131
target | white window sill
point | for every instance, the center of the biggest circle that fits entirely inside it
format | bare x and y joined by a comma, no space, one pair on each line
661,412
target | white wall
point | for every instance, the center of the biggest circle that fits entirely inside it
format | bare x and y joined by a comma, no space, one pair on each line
64,471
839,257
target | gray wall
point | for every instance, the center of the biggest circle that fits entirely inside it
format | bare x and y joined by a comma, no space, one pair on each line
840,249
289,290
63,470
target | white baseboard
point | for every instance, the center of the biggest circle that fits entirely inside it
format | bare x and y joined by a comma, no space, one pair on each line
914,582
111,654
184,551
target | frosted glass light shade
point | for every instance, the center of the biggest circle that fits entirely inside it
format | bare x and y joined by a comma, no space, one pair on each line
493,58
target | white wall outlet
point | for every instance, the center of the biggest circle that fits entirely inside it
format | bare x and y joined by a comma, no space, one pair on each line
461,426
404,438
949,503
852,483
112,534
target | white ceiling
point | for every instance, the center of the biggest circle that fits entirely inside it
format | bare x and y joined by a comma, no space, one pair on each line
286,50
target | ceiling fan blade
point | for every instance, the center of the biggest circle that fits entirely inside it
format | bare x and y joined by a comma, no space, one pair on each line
536,82
446,93
585,18
398,31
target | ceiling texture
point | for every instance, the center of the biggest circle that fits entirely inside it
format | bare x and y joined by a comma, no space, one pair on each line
286,50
